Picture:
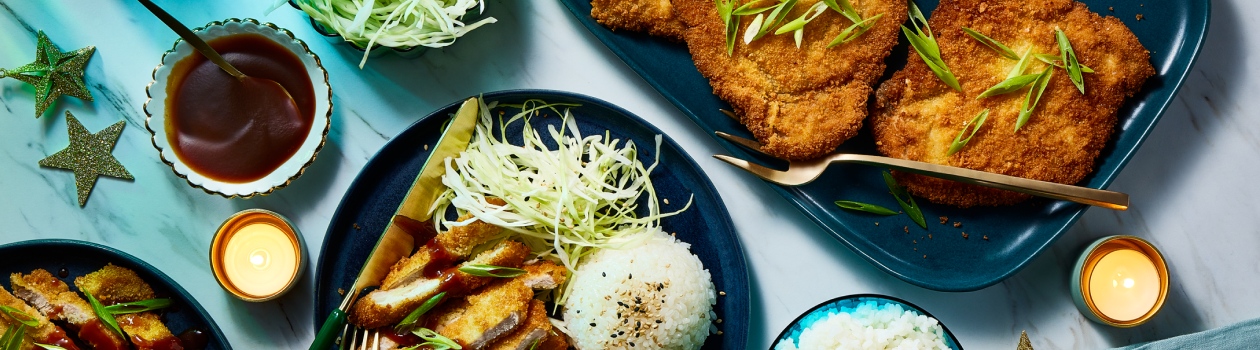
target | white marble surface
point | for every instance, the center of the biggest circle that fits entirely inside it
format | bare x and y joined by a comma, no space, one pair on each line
1190,182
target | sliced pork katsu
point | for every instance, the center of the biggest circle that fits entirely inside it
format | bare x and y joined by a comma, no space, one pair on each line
113,284
53,298
44,331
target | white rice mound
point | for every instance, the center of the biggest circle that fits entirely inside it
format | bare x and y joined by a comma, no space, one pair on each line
655,296
870,326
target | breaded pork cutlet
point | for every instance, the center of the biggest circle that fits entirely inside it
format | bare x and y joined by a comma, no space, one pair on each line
113,284
384,307
799,103
916,116
44,331
53,298
492,312
655,17
451,246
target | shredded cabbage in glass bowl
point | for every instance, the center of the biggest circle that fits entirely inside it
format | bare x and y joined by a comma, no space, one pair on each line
403,25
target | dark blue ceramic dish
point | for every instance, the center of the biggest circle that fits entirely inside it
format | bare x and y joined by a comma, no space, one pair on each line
794,329
80,258
372,198
1173,31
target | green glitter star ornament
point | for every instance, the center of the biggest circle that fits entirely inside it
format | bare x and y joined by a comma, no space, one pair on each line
89,156
54,73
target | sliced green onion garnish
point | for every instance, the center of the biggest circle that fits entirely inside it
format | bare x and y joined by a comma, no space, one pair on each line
869,208
12,339
1069,57
750,34
725,9
992,44
18,315
491,271
854,31
138,306
434,340
974,125
907,204
747,9
777,16
1020,66
1030,101
1009,85
925,45
1058,62
49,346
800,22
414,316
104,315
845,9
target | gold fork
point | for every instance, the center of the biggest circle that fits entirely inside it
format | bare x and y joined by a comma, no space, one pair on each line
363,339
806,171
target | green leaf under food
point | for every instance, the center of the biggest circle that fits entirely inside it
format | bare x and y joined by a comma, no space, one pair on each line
975,124
854,31
908,205
1009,85
410,320
491,271
1030,101
1058,62
992,44
138,306
104,315
18,315
1069,58
864,207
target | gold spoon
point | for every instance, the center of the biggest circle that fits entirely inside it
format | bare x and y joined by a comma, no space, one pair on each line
267,88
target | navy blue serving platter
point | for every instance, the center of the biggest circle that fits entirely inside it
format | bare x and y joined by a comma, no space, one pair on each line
1000,240
794,329
80,258
374,195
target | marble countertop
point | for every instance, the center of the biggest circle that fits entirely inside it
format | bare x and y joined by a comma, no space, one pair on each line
1189,182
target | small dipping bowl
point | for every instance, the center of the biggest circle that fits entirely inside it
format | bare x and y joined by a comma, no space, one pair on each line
1120,281
257,255
849,302
160,125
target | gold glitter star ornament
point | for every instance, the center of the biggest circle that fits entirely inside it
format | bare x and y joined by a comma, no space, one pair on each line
89,156
1024,343
54,73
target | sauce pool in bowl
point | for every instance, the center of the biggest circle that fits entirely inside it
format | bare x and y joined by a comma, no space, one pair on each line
232,130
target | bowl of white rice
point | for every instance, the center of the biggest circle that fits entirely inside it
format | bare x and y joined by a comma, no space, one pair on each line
655,296
866,321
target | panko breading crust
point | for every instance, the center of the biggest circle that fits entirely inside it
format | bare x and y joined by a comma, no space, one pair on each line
799,103
655,17
916,116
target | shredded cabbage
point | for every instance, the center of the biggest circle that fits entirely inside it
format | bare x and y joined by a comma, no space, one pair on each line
564,203
395,23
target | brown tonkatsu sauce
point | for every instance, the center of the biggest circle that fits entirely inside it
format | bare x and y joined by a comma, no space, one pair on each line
239,131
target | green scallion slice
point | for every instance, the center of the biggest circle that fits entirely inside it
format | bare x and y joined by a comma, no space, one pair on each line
18,315
104,315
907,204
1009,85
138,306
410,320
1069,58
864,207
854,31
1030,101
491,271
974,125
992,44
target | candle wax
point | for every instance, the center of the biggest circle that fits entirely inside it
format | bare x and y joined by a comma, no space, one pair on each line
1124,285
260,259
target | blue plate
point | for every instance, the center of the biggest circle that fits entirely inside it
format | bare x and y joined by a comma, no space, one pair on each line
1173,30
80,258
372,198
794,329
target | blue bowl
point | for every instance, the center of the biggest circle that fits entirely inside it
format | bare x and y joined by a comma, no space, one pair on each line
794,329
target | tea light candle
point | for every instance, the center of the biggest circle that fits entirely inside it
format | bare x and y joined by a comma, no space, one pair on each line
1120,281
257,255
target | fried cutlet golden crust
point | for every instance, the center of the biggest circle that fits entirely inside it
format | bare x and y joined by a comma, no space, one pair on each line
53,298
113,284
916,116
43,332
531,333
799,103
457,243
492,312
655,17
